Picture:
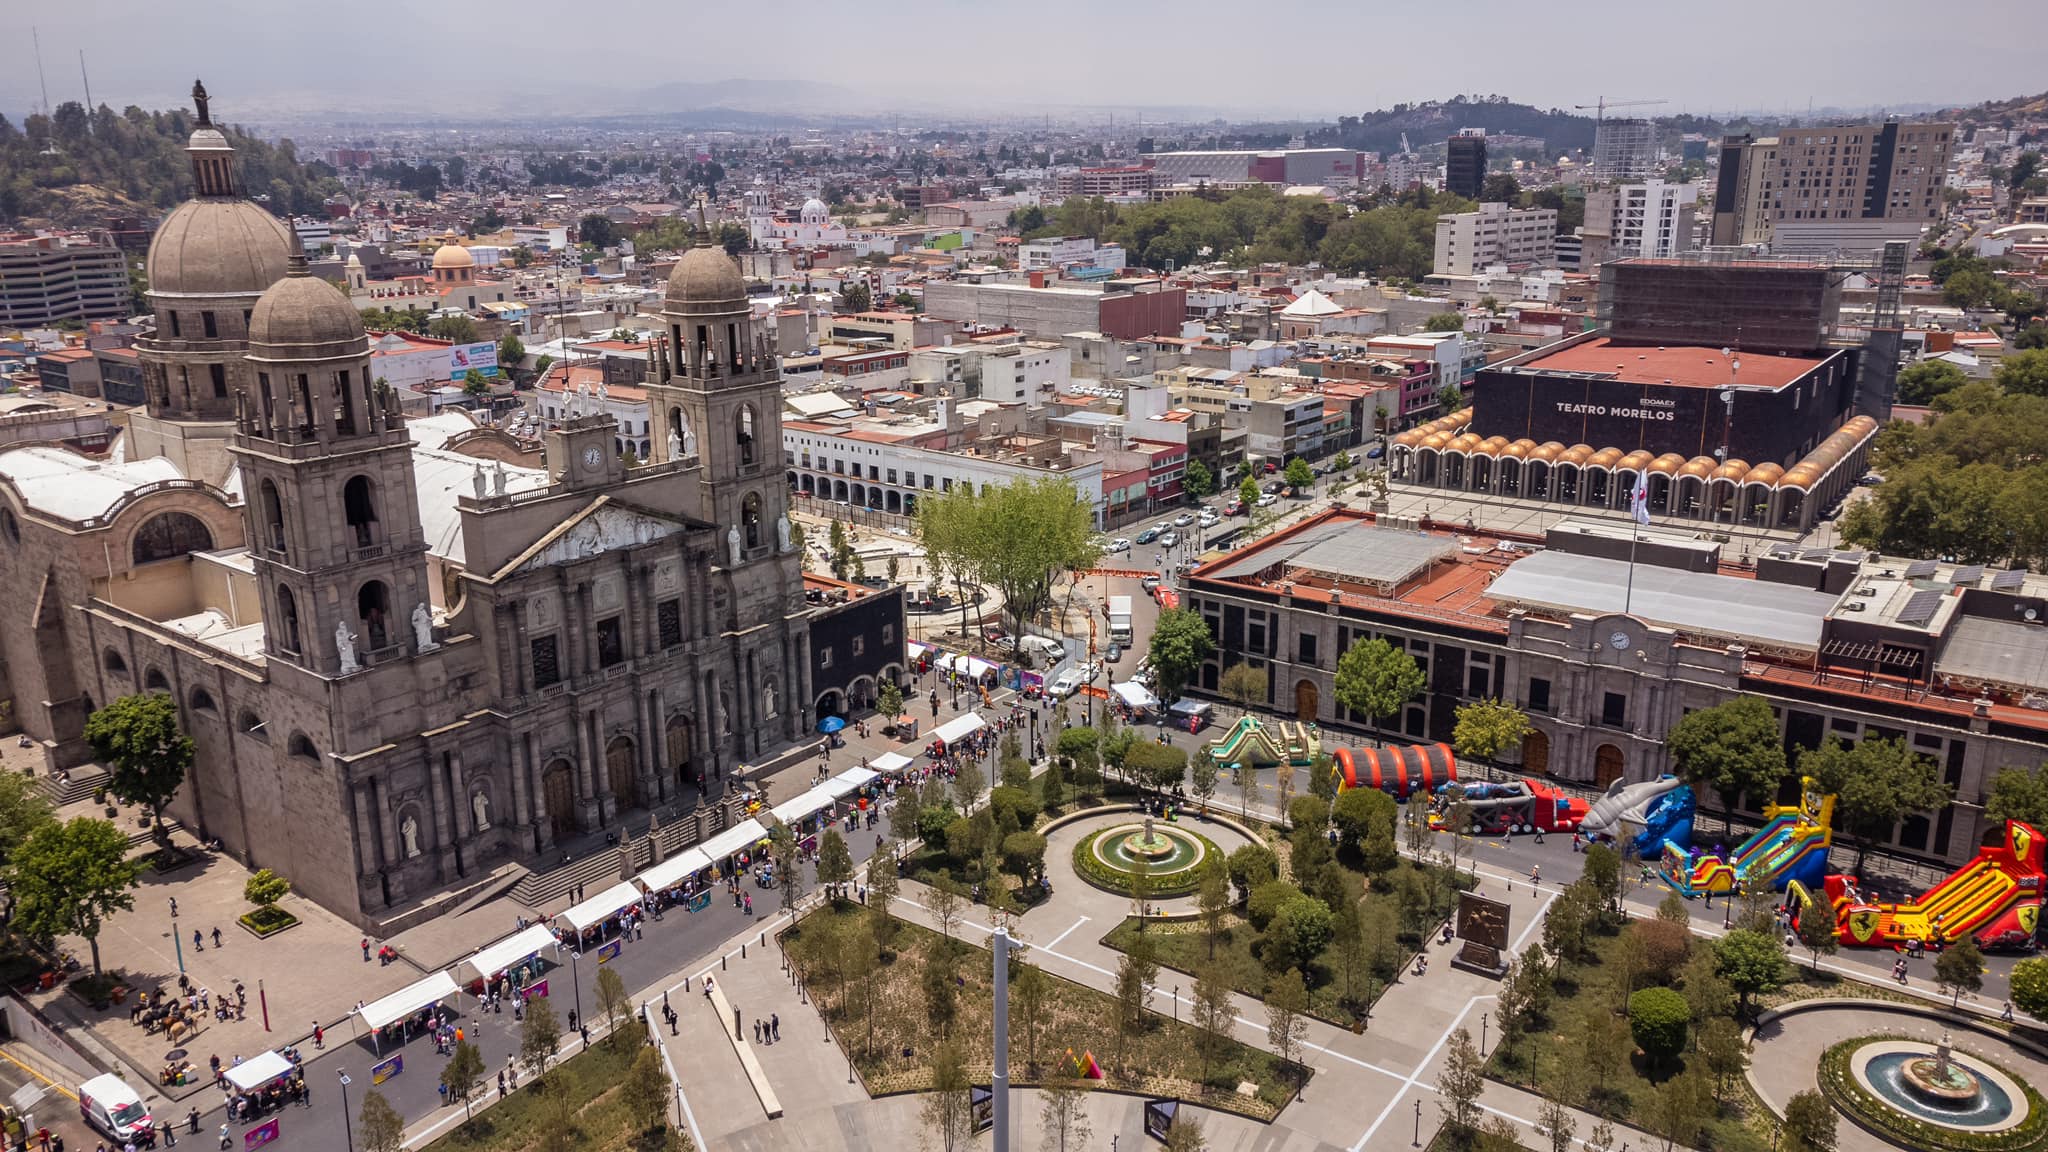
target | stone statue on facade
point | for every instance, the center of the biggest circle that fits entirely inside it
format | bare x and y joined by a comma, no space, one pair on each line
476,480
675,445
732,544
689,439
784,530
345,647
409,831
423,626
481,805
497,477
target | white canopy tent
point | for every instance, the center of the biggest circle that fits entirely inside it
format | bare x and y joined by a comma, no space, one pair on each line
600,907
916,650
850,781
674,870
1135,694
410,999
507,953
890,762
959,727
744,834
944,662
975,666
257,1071
804,806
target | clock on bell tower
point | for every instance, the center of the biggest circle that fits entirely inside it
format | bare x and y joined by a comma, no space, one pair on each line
582,454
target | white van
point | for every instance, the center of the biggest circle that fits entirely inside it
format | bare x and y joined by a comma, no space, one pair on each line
1043,648
108,1104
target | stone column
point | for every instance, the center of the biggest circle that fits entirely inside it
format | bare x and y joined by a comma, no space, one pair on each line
643,744
522,651
387,830
521,816
809,695
443,847
508,651
586,635
460,814
587,806
657,723
369,850
607,801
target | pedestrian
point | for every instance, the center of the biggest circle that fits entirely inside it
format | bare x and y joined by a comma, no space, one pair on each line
319,1035
757,1031
366,949
174,907
2005,1014
170,1135
198,941
216,937
514,1069
501,1085
775,1025
750,903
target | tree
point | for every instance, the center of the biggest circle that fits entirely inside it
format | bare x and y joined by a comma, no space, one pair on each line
1444,322
613,1002
1680,1109
941,996
789,875
1299,476
1252,865
1180,643
2025,373
1719,1043
597,229
1248,491
1377,679
68,878
645,1090
1063,1116
2019,794
835,863
1287,1015
858,297
1500,188
1752,962
465,1068
1459,1084
1555,1121
23,809
2030,987
1214,1013
1198,482
1363,813
511,351
559,1130
948,1106
889,699
1030,998
539,1034
1186,1135
265,888
1733,748
1818,929
1922,382
1300,929
1809,1123
943,902
1602,1043
1486,728
1657,1018
1959,969
1133,991
1876,783
379,1125
147,755
1020,538
457,328
1243,685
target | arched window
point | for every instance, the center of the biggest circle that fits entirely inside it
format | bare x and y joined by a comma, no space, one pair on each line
287,620
272,507
373,608
745,433
114,663
9,526
300,746
250,724
169,534
359,505
155,682
750,518
202,700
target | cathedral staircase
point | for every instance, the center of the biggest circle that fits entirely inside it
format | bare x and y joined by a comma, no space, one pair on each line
596,865
83,779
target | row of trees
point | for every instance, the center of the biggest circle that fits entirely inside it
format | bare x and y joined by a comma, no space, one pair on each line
1972,483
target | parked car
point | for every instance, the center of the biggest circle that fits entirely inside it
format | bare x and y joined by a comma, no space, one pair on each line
1150,581
1169,539
1184,519
1065,684
1268,500
1209,519
1120,544
1149,535
1234,508
1114,654
1375,452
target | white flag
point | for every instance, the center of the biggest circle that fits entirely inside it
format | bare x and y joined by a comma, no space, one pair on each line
1639,500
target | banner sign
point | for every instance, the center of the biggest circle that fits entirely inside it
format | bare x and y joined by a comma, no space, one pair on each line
481,359
260,1135
379,1073
537,988
609,951
700,901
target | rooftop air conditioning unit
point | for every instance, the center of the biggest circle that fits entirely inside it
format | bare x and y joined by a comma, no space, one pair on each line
1853,606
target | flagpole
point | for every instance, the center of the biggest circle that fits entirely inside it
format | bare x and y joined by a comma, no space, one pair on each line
1639,518
1635,532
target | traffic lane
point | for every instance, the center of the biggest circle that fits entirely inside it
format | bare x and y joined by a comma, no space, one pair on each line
668,948
56,1110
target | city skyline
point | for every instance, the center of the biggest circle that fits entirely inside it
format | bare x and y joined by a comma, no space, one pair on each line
295,64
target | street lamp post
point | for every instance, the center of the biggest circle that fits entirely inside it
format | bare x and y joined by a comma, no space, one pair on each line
576,982
347,1126
1482,1033
1418,1123
177,943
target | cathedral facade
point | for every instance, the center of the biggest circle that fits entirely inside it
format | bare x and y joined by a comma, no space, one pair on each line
404,666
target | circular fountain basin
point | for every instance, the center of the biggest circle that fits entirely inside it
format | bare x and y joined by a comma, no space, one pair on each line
1971,1097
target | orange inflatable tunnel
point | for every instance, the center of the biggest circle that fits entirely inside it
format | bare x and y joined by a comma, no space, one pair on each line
1397,770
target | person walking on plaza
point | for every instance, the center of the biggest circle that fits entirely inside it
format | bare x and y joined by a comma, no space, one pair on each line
216,937
319,1035
775,1025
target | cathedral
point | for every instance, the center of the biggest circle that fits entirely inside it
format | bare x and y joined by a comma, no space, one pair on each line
405,661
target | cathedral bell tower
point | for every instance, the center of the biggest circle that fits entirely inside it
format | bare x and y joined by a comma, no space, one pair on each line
716,399
334,527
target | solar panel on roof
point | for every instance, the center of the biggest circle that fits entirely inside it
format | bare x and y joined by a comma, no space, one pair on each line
1920,569
2008,580
1818,553
1969,574
1920,607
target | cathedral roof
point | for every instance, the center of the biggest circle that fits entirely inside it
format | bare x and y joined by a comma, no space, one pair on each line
216,247
453,255
61,483
706,280
303,317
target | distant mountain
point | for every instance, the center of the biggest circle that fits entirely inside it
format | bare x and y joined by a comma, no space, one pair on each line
1431,122
2002,112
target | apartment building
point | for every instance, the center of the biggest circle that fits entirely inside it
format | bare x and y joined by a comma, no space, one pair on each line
1624,150
1465,163
1653,218
1832,183
71,276
1467,243
1130,180
1339,167
1060,253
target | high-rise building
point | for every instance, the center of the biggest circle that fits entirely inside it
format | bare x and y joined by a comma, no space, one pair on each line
1624,150
1842,187
1468,243
1465,163
45,279
1652,218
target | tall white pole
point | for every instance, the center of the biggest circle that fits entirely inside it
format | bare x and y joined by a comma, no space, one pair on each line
999,1079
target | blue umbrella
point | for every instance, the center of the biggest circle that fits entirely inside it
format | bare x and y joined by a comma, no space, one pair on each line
831,724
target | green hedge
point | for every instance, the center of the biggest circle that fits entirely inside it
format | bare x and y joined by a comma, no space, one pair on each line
1111,880
267,920
1875,1115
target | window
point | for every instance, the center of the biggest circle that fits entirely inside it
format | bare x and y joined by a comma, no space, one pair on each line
359,506
202,700
825,656
1305,649
745,434
1613,709
860,646
175,333
888,633
668,622
302,747
114,663
206,322
373,608
611,646
547,667
288,620
1539,694
167,535
249,724
219,373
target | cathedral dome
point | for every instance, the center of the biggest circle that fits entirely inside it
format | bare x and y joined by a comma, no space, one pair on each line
814,210
706,280
304,318
217,247
453,255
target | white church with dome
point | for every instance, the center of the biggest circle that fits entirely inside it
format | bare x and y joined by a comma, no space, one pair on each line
813,226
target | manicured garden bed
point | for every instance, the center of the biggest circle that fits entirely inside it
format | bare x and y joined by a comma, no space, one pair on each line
1109,879
264,922
588,1083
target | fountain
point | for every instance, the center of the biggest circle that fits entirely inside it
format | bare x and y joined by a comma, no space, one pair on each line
1148,845
1166,855
1937,1087
1939,1079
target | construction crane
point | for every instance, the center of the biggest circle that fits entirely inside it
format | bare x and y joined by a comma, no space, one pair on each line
1603,104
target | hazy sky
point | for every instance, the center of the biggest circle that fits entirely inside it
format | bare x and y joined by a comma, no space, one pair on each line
1277,56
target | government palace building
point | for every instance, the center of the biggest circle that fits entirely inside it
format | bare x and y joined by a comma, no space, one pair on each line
407,659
